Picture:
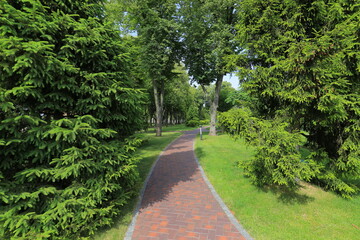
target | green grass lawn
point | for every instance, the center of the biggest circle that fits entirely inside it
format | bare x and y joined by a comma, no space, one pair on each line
178,127
275,214
148,152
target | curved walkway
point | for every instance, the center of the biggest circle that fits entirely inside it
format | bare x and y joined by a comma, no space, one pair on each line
180,203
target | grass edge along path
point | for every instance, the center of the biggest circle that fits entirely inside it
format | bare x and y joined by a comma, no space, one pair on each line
267,213
148,153
173,128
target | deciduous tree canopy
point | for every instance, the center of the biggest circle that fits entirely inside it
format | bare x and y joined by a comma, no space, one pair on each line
208,29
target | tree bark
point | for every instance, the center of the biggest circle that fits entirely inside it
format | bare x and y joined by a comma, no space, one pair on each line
214,105
165,116
159,103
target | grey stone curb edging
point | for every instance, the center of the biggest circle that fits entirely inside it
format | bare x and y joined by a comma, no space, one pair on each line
131,227
233,220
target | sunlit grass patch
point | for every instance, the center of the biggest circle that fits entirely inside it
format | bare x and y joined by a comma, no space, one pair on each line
273,212
170,128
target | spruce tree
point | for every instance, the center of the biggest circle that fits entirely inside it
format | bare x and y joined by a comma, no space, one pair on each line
301,63
67,106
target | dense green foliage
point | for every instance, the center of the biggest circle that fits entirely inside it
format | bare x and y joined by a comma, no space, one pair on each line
159,44
302,65
277,157
67,103
226,92
198,111
178,97
208,30
70,98
192,116
241,98
208,36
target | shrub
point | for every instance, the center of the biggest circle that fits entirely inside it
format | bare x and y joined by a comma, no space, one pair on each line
192,123
277,158
204,122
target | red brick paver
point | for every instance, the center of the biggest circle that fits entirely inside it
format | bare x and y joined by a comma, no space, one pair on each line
177,203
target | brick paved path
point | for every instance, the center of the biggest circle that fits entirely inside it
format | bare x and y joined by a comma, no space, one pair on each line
177,202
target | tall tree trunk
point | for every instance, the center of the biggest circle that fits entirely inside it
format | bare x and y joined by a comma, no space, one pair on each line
214,105
164,117
159,103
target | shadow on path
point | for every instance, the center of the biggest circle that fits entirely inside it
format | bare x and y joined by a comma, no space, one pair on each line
178,203
174,166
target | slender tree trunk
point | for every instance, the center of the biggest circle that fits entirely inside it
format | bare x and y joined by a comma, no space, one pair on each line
159,103
164,117
214,106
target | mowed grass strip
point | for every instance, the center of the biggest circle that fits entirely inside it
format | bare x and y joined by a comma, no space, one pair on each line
148,153
268,213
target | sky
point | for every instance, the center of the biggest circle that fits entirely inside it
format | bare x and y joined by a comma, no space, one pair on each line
233,79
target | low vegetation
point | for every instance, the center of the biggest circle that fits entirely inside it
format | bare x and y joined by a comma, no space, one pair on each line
175,128
273,212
